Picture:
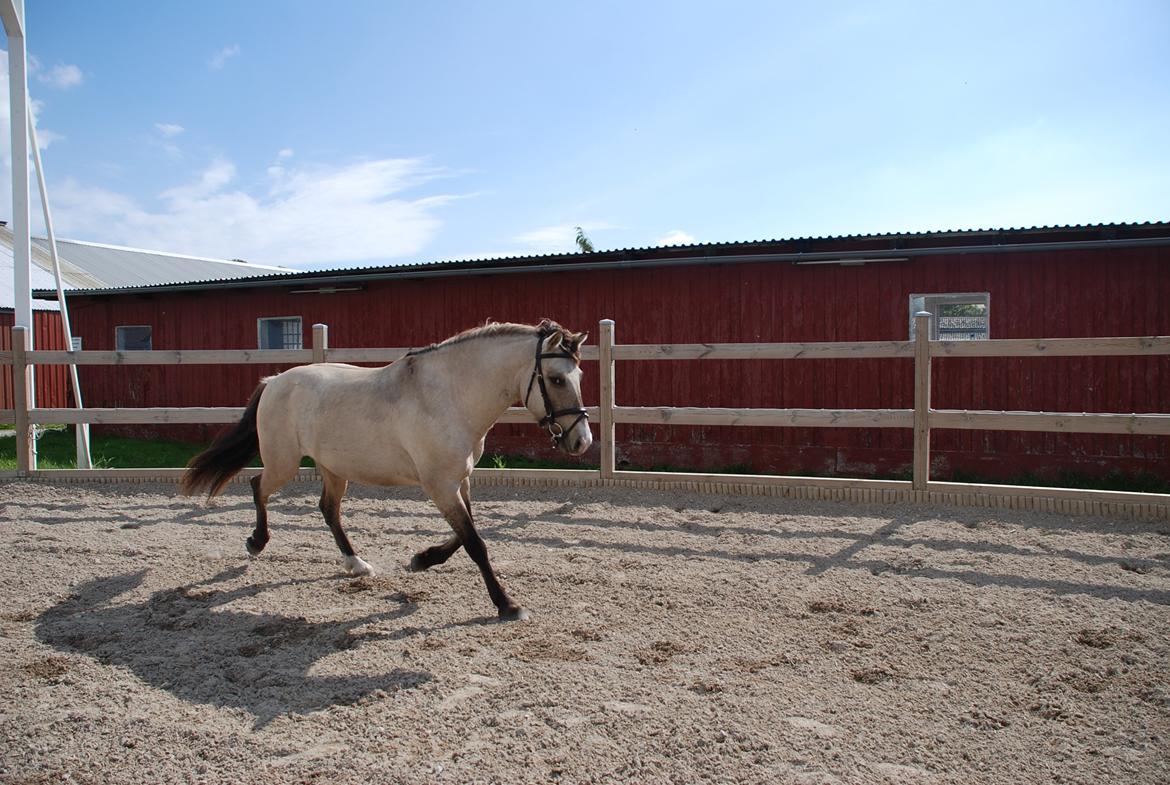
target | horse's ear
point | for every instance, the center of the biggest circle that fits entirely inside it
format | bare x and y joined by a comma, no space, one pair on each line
578,339
553,341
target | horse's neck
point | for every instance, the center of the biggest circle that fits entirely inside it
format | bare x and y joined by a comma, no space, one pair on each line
484,376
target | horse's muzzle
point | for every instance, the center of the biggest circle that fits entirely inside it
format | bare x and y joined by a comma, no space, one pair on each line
581,444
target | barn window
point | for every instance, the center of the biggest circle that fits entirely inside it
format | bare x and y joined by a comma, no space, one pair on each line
957,317
132,338
280,332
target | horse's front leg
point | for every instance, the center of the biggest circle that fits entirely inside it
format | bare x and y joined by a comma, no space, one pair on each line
438,554
450,501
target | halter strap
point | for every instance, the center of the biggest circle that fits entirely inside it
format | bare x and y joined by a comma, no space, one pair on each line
549,421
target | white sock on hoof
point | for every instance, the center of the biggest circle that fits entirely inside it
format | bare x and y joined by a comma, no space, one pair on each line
355,566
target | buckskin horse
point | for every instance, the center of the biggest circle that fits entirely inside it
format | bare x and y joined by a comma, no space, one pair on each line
418,421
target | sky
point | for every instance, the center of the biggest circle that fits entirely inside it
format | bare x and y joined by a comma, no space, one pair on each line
367,133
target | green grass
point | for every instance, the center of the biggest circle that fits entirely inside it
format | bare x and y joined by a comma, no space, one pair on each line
56,450
497,461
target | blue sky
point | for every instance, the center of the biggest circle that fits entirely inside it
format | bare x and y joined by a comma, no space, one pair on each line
356,133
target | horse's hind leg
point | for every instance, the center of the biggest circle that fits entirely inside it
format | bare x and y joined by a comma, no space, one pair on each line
259,537
450,501
331,496
271,478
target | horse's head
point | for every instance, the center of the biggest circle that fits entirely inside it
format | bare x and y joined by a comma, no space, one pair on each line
554,389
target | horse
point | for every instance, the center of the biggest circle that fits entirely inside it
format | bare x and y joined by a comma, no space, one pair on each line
419,421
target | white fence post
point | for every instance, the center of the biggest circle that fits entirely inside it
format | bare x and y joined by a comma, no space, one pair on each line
320,342
606,403
921,400
22,394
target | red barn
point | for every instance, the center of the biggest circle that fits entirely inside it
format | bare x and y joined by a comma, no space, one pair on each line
1093,281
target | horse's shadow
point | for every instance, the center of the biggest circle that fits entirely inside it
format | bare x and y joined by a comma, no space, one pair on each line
178,640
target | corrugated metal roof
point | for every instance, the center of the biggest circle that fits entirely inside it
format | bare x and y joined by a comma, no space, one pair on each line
41,279
790,249
116,267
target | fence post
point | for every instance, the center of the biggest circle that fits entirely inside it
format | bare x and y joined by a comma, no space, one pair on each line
605,426
921,400
320,342
22,397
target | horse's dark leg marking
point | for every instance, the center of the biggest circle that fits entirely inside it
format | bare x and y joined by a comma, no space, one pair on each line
458,515
259,538
331,508
438,554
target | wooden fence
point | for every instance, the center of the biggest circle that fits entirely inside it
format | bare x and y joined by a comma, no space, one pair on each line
922,418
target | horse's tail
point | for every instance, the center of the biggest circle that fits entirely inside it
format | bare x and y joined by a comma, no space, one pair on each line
211,469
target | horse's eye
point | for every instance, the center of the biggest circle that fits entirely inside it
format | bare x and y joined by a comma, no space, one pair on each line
559,381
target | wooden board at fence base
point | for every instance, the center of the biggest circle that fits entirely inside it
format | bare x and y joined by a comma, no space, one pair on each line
1146,506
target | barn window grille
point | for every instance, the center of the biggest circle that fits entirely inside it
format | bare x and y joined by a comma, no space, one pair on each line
132,338
957,317
279,332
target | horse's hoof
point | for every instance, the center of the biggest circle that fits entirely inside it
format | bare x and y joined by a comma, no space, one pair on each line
514,614
417,564
253,549
355,566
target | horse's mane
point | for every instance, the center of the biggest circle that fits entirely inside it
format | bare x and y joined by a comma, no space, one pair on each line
492,329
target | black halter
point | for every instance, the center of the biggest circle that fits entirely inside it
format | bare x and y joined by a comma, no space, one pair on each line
549,421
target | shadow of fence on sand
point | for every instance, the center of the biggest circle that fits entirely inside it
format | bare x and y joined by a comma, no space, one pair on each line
850,556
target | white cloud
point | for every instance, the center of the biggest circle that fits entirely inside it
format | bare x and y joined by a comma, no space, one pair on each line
169,130
211,180
61,76
45,137
676,237
220,58
285,153
309,216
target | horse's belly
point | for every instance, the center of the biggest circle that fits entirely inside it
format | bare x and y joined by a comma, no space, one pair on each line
385,466
370,472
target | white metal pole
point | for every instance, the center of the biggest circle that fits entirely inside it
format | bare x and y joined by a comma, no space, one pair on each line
82,429
12,12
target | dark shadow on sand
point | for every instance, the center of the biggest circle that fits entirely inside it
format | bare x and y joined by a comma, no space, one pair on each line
179,640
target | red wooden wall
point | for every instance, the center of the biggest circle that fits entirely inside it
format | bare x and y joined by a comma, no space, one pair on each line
1043,294
53,380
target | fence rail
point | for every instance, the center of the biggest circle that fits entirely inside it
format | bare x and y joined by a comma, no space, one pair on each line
921,419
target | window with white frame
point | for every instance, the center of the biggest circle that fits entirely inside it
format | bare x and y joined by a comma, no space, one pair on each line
957,317
279,332
132,338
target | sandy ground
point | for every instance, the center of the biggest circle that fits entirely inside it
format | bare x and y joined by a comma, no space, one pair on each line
673,638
